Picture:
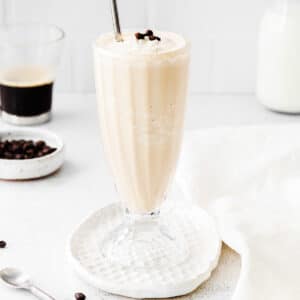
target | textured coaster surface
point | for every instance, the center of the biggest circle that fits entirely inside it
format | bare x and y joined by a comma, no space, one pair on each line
169,281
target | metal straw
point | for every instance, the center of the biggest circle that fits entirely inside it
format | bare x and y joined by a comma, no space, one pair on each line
116,21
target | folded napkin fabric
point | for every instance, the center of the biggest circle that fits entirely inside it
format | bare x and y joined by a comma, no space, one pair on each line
249,180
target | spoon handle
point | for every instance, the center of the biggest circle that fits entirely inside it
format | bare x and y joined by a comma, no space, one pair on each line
40,294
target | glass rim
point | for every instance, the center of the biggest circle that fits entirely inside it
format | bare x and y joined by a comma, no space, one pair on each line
26,25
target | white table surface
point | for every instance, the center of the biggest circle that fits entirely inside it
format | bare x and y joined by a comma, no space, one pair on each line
36,217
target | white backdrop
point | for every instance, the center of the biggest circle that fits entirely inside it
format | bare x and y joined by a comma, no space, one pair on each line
223,35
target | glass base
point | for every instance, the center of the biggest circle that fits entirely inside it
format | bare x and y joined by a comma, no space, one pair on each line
149,240
24,121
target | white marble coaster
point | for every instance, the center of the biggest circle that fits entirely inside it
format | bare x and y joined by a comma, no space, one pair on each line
169,281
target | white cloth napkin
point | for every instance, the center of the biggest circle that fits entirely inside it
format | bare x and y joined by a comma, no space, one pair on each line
249,179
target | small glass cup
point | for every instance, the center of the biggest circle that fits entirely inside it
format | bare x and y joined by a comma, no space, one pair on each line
29,56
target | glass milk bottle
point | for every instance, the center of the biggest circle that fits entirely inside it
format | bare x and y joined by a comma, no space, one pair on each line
278,77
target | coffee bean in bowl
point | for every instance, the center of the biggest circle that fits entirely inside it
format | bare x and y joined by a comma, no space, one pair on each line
24,149
29,153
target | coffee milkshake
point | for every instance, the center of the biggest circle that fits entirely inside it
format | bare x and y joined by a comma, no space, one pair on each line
141,86
26,91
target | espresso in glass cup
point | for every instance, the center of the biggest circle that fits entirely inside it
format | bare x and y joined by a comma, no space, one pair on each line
29,56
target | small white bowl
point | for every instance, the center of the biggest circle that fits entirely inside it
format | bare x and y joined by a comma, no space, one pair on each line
22,169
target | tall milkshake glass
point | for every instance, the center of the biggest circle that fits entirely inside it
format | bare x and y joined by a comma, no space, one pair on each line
141,86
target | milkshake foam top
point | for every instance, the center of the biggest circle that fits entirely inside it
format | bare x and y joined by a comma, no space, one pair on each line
170,43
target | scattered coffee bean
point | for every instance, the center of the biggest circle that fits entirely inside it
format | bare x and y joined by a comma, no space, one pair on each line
24,149
80,296
2,244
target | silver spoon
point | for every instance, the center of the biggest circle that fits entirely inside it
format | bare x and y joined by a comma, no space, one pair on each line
16,279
